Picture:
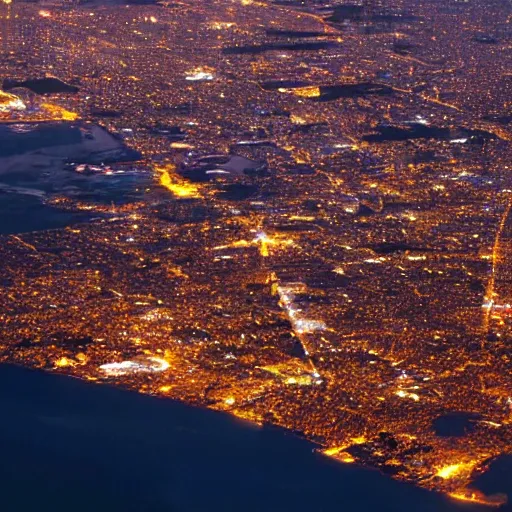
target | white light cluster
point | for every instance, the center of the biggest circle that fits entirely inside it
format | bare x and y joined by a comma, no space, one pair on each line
300,324
199,76
9,103
143,365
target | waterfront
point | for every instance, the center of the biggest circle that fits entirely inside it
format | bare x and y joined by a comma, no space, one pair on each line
133,453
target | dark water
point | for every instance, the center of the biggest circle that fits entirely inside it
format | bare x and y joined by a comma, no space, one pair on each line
71,446
36,136
25,138
455,424
30,175
21,213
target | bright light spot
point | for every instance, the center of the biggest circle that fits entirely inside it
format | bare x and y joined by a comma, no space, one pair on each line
421,120
300,325
491,424
200,74
312,91
181,145
221,25
488,304
334,451
9,102
59,113
300,380
295,119
454,470
346,458
404,394
303,218
229,401
45,14
143,365
340,454
471,496
174,183
263,239
308,326
63,362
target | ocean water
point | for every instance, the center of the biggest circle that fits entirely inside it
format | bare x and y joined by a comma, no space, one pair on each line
72,446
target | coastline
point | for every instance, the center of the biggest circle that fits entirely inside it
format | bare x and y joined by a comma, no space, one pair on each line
96,447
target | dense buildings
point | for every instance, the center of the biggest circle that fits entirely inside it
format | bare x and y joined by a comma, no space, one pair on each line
344,276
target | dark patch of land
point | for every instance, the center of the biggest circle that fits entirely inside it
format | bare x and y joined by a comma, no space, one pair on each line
170,131
310,128
208,168
387,132
356,13
295,34
238,192
485,39
403,47
334,92
397,247
261,48
41,86
101,112
496,118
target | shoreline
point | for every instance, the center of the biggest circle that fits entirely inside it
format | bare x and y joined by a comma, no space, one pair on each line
115,449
